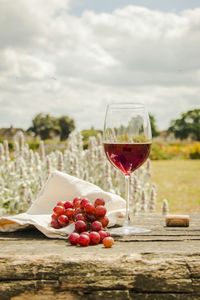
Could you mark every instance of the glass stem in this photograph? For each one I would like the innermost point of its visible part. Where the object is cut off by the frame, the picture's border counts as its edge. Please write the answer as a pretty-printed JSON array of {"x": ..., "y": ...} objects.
[{"x": 127, "y": 217}]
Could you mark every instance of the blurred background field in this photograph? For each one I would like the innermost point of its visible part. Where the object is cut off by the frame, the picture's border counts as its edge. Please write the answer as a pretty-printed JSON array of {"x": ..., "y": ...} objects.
[
  {"x": 175, "y": 150},
  {"x": 27, "y": 157},
  {"x": 178, "y": 181}
]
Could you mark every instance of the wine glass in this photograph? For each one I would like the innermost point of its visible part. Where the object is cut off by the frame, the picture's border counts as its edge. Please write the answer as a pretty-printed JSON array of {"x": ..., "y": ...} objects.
[{"x": 127, "y": 142}]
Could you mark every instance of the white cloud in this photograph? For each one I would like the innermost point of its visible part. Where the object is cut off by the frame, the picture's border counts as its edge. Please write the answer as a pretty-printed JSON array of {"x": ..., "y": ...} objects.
[{"x": 51, "y": 61}]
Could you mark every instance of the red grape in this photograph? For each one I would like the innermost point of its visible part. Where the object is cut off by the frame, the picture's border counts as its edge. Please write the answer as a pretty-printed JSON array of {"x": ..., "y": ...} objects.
[
  {"x": 59, "y": 210},
  {"x": 55, "y": 224},
  {"x": 69, "y": 212},
  {"x": 80, "y": 226},
  {"x": 76, "y": 202},
  {"x": 85, "y": 232},
  {"x": 90, "y": 209},
  {"x": 63, "y": 220},
  {"x": 60, "y": 203},
  {"x": 68, "y": 204},
  {"x": 100, "y": 211},
  {"x": 94, "y": 238},
  {"x": 78, "y": 211},
  {"x": 103, "y": 234},
  {"x": 73, "y": 238},
  {"x": 108, "y": 242},
  {"x": 84, "y": 201},
  {"x": 104, "y": 221},
  {"x": 96, "y": 226},
  {"x": 80, "y": 217},
  {"x": 83, "y": 240},
  {"x": 54, "y": 216},
  {"x": 99, "y": 201}
]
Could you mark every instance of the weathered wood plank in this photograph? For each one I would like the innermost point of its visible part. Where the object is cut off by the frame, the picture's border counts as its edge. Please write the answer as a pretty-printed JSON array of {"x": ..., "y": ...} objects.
[{"x": 153, "y": 266}]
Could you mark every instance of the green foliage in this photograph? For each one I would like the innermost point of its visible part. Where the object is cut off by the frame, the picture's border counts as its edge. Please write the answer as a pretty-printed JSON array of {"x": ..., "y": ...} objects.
[
  {"x": 125, "y": 138},
  {"x": 194, "y": 152},
  {"x": 154, "y": 128},
  {"x": 181, "y": 150},
  {"x": 158, "y": 153},
  {"x": 10, "y": 143},
  {"x": 34, "y": 145},
  {"x": 48, "y": 127},
  {"x": 88, "y": 133},
  {"x": 66, "y": 125},
  {"x": 45, "y": 126},
  {"x": 188, "y": 125},
  {"x": 195, "y": 155}
]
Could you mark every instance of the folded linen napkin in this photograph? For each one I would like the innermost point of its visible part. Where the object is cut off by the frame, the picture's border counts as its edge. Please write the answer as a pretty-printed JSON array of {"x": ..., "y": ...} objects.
[{"x": 60, "y": 186}]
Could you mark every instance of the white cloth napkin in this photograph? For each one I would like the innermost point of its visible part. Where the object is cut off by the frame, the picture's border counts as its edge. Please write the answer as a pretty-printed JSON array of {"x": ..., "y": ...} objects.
[{"x": 60, "y": 187}]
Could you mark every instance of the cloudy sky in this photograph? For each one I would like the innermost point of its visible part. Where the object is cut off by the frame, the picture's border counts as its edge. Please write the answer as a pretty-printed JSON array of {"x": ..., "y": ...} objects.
[{"x": 74, "y": 57}]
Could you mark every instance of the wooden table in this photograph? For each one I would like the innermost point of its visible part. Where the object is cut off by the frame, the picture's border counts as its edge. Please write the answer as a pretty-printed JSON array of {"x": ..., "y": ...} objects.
[{"x": 164, "y": 264}]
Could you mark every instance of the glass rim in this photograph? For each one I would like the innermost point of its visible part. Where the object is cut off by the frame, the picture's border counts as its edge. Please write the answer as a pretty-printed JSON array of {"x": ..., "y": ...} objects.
[{"x": 125, "y": 105}]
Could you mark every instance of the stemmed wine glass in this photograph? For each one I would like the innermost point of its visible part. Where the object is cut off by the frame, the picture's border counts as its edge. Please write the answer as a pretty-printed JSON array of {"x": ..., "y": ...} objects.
[{"x": 127, "y": 141}]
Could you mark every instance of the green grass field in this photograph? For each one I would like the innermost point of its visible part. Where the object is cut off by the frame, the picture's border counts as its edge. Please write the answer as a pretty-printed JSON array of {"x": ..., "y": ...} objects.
[{"x": 178, "y": 181}]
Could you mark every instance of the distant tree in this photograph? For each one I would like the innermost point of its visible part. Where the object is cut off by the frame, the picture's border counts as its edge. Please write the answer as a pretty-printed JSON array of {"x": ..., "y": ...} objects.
[
  {"x": 154, "y": 128},
  {"x": 188, "y": 125},
  {"x": 87, "y": 133},
  {"x": 66, "y": 126},
  {"x": 47, "y": 126}
]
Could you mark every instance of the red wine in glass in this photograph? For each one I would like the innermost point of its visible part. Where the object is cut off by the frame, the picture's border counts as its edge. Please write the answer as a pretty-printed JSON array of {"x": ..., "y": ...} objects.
[
  {"x": 127, "y": 157},
  {"x": 127, "y": 142}
]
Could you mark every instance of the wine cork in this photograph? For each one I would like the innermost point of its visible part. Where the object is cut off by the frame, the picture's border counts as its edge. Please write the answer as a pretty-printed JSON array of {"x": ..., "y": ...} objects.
[{"x": 177, "y": 220}]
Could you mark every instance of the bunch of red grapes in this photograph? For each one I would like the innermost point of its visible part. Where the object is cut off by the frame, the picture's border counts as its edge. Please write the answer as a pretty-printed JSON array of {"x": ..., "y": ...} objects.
[{"x": 90, "y": 221}]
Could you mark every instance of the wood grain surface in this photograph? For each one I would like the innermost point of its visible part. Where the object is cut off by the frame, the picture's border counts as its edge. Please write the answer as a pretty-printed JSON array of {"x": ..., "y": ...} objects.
[{"x": 163, "y": 264}]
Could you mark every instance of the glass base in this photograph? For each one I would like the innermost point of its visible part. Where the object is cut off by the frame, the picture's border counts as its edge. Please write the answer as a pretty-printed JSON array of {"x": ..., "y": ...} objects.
[{"x": 128, "y": 230}]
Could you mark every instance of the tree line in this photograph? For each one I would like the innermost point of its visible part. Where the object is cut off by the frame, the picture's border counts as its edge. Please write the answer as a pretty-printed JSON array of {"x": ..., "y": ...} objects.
[
  {"x": 187, "y": 126},
  {"x": 47, "y": 127}
]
